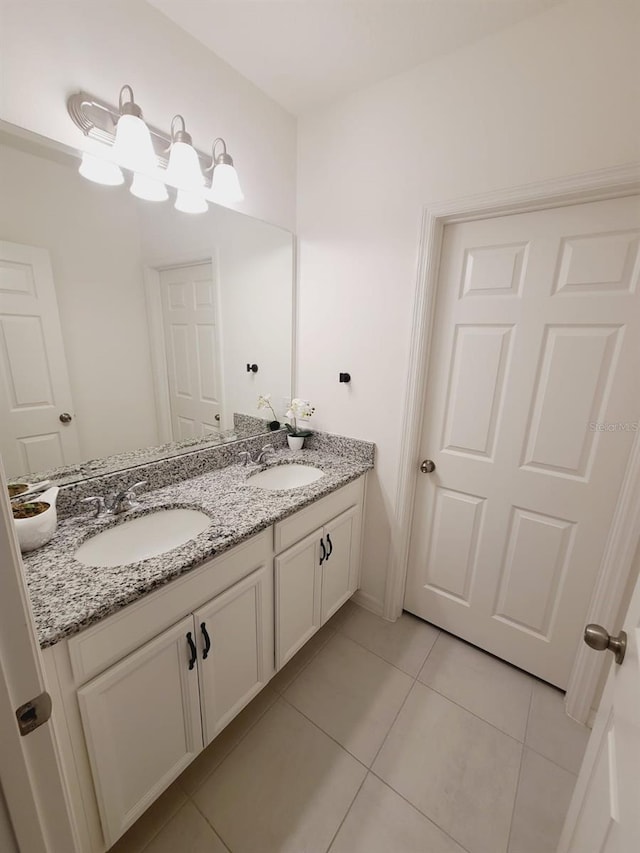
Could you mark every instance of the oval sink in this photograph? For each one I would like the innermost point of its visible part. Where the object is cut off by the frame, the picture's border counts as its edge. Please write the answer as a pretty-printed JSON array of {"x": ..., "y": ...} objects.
[
  {"x": 142, "y": 537},
  {"x": 285, "y": 477}
]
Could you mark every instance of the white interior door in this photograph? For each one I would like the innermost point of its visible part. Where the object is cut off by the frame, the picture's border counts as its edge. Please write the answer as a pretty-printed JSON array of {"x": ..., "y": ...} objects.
[
  {"x": 604, "y": 815},
  {"x": 531, "y": 409},
  {"x": 34, "y": 382},
  {"x": 188, "y": 297}
]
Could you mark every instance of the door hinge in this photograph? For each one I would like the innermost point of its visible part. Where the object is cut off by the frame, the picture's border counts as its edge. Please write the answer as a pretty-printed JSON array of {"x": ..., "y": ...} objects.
[{"x": 33, "y": 713}]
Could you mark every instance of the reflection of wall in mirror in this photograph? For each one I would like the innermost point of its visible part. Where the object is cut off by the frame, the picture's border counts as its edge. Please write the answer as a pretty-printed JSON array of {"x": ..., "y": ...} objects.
[
  {"x": 92, "y": 236},
  {"x": 255, "y": 268}
]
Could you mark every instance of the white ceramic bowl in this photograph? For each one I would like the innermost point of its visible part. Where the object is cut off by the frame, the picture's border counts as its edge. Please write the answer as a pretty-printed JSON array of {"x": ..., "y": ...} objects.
[{"x": 40, "y": 529}]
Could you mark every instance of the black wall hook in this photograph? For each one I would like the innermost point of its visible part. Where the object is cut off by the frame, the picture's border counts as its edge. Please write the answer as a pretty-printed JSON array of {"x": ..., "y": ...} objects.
[
  {"x": 345, "y": 377},
  {"x": 252, "y": 368}
]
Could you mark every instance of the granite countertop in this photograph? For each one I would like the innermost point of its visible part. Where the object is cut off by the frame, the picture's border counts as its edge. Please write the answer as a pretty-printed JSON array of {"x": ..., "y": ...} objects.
[{"x": 67, "y": 596}]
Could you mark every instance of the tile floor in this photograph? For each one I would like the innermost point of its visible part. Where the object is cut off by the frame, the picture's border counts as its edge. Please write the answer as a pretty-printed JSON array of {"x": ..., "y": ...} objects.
[{"x": 379, "y": 737}]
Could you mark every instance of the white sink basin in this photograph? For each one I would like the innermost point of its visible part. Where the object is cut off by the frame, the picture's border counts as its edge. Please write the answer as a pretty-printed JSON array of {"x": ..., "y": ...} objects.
[
  {"x": 142, "y": 537},
  {"x": 285, "y": 477}
]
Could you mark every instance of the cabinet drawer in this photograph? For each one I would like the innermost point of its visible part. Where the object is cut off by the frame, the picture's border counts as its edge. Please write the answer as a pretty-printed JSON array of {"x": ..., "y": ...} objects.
[
  {"x": 93, "y": 650},
  {"x": 307, "y": 520}
]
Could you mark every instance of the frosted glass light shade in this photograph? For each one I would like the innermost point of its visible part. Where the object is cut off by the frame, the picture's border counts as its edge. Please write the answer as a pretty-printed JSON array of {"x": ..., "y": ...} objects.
[
  {"x": 191, "y": 202},
  {"x": 149, "y": 189},
  {"x": 100, "y": 171},
  {"x": 133, "y": 148},
  {"x": 184, "y": 170},
  {"x": 225, "y": 186}
]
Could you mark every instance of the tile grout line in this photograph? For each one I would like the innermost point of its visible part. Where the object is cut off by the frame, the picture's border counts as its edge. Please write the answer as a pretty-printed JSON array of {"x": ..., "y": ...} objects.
[
  {"x": 208, "y": 822},
  {"x": 346, "y": 814},
  {"x": 515, "y": 797}
]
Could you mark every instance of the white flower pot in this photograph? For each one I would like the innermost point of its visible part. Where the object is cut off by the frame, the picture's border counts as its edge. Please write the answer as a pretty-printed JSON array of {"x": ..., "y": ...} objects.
[
  {"x": 38, "y": 530},
  {"x": 295, "y": 441}
]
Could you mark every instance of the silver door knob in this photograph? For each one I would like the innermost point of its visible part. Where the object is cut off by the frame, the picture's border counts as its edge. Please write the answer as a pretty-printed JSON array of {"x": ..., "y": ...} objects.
[
  {"x": 428, "y": 467},
  {"x": 66, "y": 418},
  {"x": 596, "y": 637}
]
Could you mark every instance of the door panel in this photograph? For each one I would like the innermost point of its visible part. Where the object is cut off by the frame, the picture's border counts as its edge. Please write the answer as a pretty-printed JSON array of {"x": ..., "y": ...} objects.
[
  {"x": 34, "y": 382},
  {"x": 192, "y": 349},
  {"x": 338, "y": 568},
  {"x": 604, "y": 815},
  {"x": 298, "y": 583},
  {"x": 142, "y": 724},
  {"x": 532, "y": 405},
  {"x": 239, "y": 625}
]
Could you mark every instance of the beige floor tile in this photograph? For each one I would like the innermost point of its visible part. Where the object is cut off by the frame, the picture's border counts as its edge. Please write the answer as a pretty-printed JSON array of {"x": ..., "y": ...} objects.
[
  {"x": 284, "y": 789},
  {"x": 294, "y": 667},
  {"x": 551, "y": 732},
  {"x": 544, "y": 793},
  {"x": 458, "y": 770},
  {"x": 217, "y": 751},
  {"x": 186, "y": 832},
  {"x": 380, "y": 821},
  {"x": 405, "y": 643},
  {"x": 484, "y": 685},
  {"x": 151, "y": 822},
  {"x": 352, "y": 694}
]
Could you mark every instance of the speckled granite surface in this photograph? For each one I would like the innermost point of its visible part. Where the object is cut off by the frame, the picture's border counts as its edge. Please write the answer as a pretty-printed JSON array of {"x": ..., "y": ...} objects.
[{"x": 67, "y": 596}]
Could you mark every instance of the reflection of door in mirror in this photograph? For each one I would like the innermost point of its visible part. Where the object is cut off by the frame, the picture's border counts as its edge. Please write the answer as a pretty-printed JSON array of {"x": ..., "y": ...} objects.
[
  {"x": 188, "y": 297},
  {"x": 38, "y": 431}
]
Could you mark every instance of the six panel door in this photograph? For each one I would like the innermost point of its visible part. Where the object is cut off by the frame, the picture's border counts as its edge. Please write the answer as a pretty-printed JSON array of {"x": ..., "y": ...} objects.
[
  {"x": 142, "y": 726},
  {"x": 188, "y": 296},
  {"x": 235, "y": 657},
  {"x": 34, "y": 381},
  {"x": 531, "y": 411}
]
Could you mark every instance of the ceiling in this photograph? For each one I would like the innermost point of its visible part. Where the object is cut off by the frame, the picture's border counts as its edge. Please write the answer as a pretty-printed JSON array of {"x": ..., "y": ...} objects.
[{"x": 304, "y": 53}]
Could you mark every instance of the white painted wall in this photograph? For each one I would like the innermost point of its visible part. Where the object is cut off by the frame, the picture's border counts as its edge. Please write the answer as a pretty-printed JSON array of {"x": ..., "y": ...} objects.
[
  {"x": 254, "y": 271},
  {"x": 7, "y": 838},
  {"x": 92, "y": 235},
  {"x": 555, "y": 95},
  {"x": 50, "y": 49}
]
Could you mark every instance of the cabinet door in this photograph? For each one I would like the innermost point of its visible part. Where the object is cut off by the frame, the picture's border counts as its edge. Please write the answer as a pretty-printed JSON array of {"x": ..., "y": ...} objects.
[
  {"x": 339, "y": 568},
  {"x": 235, "y": 637},
  {"x": 297, "y": 593},
  {"x": 142, "y": 726}
]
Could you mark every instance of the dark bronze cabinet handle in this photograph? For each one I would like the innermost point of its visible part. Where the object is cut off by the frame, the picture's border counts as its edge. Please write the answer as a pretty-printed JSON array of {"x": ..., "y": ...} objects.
[
  {"x": 330, "y": 544},
  {"x": 323, "y": 552},
  {"x": 193, "y": 650},
  {"x": 207, "y": 641}
]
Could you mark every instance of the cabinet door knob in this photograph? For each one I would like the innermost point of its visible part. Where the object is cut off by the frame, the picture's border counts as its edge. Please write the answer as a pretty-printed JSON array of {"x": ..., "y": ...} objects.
[
  {"x": 207, "y": 640},
  {"x": 330, "y": 544},
  {"x": 193, "y": 650}
]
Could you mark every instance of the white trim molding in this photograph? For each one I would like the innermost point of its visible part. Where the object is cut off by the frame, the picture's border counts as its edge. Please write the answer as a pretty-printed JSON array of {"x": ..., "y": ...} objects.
[{"x": 598, "y": 185}]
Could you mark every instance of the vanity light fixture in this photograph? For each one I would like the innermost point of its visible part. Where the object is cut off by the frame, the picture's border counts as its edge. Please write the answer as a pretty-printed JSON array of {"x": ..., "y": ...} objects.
[
  {"x": 128, "y": 142},
  {"x": 133, "y": 148},
  {"x": 96, "y": 167},
  {"x": 225, "y": 185},
  {"x": 183, "y": 171}
]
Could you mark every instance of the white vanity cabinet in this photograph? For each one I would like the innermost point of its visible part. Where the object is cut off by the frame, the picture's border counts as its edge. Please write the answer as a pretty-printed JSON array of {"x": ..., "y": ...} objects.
[
  {"x": 147, "y": 717},
  {"x": 317, "y": 574}
]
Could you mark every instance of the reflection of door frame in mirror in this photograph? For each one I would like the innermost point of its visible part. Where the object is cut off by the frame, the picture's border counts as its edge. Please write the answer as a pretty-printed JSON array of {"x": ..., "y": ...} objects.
[{"x": 158, "y": 350}]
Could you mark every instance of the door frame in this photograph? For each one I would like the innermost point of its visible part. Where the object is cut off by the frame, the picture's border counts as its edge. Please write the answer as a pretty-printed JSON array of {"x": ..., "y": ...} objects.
[
  {"x": 31, "y": 773},
  {"x": 598, "y": 185},
  {"x": 157, "y": 347}
]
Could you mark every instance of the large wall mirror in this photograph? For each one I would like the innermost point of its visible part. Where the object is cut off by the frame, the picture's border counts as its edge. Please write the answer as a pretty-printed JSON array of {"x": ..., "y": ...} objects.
[{"x": 126, "y": 324}]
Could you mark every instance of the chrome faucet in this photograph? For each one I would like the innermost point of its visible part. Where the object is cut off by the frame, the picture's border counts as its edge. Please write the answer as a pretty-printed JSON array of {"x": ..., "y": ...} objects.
[
  {"x": 245, "y": 456},
  {"x": 116, "y": 502}
]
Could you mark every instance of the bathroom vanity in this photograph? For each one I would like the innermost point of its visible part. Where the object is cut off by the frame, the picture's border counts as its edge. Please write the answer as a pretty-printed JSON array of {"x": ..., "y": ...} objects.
[{"x": 146, "y": 663}]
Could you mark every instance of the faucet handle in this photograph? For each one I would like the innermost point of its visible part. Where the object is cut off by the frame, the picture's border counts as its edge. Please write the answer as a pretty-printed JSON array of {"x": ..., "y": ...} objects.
[
  {"x": 98, "y": 503},
  {"x": 131, "y": 491},
  {"x": 268, "y": 447},
  {"x": 245, "y": 457}
]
